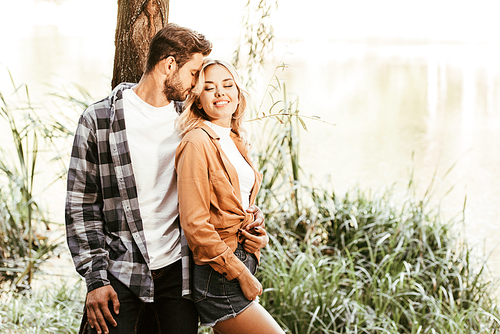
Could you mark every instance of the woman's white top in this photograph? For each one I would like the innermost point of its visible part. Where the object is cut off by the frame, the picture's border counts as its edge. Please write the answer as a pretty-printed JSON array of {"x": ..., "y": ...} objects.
[
  {"x": 246, "y": 174},
  {"x": 153, "y": 139}
]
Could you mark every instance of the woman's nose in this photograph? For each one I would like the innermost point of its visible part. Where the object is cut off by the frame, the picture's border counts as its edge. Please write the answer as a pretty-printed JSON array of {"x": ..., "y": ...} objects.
[{"x": 219, "y": 93}]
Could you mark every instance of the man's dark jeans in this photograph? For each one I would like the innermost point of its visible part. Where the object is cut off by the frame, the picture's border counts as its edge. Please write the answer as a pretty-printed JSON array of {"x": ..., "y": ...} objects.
[{"x": 170, "y": 313}]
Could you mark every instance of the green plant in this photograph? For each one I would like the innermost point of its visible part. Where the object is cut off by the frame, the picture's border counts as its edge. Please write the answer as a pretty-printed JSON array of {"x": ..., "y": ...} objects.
[
  {"x": 373, "y": 264},
  {"x": 256, "y": 41},
  {"x": 50, "y": 308},
  {"x": 24, "y": 229}
]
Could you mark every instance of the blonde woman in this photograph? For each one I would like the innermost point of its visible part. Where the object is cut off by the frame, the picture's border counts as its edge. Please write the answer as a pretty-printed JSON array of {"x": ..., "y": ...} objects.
[{"x": 217, "y": 183}]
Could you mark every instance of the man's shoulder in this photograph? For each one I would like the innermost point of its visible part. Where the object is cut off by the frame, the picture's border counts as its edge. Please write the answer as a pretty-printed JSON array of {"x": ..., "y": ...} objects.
[
  {"x": 102, "y": 109},
  {"x": 97, "y": 112},
  {"x": 97, "y": 106}
]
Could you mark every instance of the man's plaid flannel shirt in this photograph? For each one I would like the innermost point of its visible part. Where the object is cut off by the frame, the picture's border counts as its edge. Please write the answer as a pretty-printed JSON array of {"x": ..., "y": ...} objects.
[{"x": 103, "y": 223}]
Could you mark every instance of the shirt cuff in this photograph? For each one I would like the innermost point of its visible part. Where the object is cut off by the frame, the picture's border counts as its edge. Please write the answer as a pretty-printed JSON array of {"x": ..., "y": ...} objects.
[
  {"x": 96, "y": 279},
  {"x": 233, "y": 268}
]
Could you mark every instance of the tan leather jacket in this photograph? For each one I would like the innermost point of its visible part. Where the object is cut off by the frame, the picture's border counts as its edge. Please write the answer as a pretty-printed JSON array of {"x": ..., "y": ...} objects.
[{"x": 210, "y": 206}]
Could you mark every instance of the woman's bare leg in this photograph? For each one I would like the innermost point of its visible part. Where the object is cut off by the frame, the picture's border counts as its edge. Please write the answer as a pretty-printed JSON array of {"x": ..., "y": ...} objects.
[{"x": 254, "y": 320}]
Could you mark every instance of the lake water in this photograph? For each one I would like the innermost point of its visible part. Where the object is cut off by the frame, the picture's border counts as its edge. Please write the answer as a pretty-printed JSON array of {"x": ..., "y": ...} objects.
[
  {"x": 439, "y": 103},
  {"x": 391, "y": 100}
]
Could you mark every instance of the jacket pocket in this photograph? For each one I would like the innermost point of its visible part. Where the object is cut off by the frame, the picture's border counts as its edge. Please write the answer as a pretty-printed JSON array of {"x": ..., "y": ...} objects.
[{"x": 225, "y": 196}]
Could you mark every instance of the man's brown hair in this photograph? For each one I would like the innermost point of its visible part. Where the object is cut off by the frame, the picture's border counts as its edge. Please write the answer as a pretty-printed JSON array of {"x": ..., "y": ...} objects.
[{"x": 176, "y": 41}]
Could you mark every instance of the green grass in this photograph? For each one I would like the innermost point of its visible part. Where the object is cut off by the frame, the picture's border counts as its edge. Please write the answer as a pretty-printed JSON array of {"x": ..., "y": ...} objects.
[
  {"x": 360, "y": 263},
  {"x": 363, "y": 262},
  {"x": 50, "y": 308}
]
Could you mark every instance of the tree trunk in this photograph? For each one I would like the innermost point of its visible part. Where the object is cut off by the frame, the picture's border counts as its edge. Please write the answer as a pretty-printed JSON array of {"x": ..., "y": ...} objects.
[{"x": 138, "y": 21}]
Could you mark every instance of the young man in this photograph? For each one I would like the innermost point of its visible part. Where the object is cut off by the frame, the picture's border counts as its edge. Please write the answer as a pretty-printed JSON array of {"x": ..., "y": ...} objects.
[{"x": 121, "y": 209}]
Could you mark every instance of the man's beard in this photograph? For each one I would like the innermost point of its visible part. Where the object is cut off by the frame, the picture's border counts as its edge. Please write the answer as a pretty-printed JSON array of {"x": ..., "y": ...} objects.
[{"x": 173, "y": 89}]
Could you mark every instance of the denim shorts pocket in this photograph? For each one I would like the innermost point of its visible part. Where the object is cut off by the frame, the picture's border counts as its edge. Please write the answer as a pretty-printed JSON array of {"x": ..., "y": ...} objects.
[
  {"x": 251, "y": 263},
  {"x": 201, "y": 280},
  {"x": 249, "y": 260},
  {"x": 241, "y": 253},
  {"x": 231, "y": 288}
]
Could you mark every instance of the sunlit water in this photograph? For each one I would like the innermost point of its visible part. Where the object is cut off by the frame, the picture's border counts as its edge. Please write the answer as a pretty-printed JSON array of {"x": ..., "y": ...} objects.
[{"x": 438, "y": 102}]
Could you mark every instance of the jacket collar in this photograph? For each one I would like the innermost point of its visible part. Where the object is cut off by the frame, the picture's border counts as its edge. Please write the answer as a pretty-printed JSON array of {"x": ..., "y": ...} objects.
[
  {"x": 117, "y": 93},
  {"x": 229, "y": 168},
  {"x": 214, "y": 134},
  {"x": 209, "y": 131}
]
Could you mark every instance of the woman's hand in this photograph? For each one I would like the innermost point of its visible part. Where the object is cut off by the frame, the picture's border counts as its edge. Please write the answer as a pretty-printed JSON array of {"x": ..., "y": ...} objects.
[
  {"x": 256, "y": 240},
  {"x": 258, "y": 217},
  {"x": 250, "y": 286}
]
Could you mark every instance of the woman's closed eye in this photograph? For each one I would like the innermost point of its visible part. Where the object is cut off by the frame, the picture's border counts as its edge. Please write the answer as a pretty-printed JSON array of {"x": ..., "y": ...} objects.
[{"x": 208, "y": 89}]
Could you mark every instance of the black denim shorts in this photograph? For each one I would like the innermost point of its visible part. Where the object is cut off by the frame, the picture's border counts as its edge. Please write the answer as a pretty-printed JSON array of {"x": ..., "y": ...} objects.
[{"x": 216, "y": 298}]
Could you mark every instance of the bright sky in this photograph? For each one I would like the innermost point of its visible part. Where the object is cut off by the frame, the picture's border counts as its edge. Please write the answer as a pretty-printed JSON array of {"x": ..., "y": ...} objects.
[
  {"x": 28, "y": 26},
  {"x": 464, "y": 20}
]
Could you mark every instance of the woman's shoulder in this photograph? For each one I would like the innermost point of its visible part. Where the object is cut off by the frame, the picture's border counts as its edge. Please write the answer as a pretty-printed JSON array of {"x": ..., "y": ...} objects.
[
  {"x": 202, "y": 137},
  {"x": 197, "y": 135}
]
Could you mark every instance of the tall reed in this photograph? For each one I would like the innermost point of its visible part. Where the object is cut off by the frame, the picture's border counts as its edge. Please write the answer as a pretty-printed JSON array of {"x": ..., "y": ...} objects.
[
  {"x": 24, "y": 227},
  {"x": 373, "y": 264}
]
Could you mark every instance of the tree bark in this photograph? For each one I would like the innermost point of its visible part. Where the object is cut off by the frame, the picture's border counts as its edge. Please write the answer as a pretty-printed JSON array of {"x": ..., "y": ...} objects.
[{"x": 137, "y": 23}]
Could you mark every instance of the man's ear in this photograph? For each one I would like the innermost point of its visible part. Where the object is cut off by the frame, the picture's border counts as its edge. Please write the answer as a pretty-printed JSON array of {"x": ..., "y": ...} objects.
[{"x": 169, "y": 65}]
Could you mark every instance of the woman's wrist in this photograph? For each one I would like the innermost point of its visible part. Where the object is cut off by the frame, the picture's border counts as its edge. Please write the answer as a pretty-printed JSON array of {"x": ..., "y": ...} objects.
[{"x": 244, "y": 274}]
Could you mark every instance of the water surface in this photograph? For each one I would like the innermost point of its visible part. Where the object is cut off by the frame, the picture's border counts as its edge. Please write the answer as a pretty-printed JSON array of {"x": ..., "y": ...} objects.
[{"x": 391, "y": 99}]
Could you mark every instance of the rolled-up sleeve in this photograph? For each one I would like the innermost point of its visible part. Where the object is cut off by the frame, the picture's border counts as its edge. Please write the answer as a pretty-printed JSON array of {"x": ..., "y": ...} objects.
[{"x": 194, "y": 191}]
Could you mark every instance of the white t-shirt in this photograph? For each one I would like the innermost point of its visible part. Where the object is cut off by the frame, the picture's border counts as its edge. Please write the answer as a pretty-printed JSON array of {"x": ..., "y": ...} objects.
[
  {"x": 246, "y": 174},
  {"x": 153, "y": 139}
]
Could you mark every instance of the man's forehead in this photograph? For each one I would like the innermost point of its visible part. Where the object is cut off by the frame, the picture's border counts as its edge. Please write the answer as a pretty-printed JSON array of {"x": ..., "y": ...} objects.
[{"x": 196, "y": 62}]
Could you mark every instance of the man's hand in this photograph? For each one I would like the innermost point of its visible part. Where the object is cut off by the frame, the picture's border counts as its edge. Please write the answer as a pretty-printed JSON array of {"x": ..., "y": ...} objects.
[
  {"x": 98, "y": 310},
  {"x": 256, "y": 240},
  {"x": 258, "y": 218}
]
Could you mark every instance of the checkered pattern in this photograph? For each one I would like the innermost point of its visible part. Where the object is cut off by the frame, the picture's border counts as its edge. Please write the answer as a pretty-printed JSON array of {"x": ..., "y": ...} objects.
[{"x": 103, "y": 222}]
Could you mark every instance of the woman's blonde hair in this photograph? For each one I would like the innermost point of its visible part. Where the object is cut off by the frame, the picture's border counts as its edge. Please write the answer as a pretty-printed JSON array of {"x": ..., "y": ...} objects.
[{"x": 192, "y": 116}]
